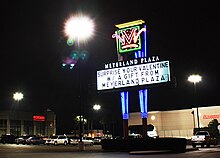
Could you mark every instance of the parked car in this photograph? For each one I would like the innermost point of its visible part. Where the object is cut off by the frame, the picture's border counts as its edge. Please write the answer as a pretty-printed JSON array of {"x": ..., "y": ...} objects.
[
  {"x": 57, "y": 139},
  {"x": 7, "y": 138},
  {"x": 35, "y": 141},
  {"x": 44, "y": 138},
  {"x": 135, "y": 136},
  {"x": 21, "y": 139},
  {"x": 87, "y": 141},
  {"x": 203, "y": 138},
  {"x": 152, "y": 134},
  {"x": 97, "y": 140},
  {"x": 73, "y": 140}
]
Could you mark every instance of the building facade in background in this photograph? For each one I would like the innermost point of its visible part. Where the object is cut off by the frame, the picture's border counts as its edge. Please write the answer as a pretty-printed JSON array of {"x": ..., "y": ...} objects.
[
  {"x": 177, "y": 123},
  {"x": 27, "y": 123}
]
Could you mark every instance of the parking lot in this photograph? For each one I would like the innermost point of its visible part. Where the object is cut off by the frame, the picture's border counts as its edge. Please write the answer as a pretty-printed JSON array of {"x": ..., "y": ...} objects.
[{"x": 95, "y": 151}]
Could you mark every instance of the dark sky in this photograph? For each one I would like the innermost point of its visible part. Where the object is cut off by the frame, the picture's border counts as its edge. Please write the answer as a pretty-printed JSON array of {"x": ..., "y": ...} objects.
[{"x": 33, "y": 45}]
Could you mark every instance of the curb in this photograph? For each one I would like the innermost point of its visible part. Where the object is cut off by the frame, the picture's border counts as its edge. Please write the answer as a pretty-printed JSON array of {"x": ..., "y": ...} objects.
[{"x": 152, "y": 152}]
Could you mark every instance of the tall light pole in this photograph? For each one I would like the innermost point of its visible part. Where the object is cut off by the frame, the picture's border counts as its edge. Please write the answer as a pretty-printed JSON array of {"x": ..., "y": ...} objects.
[
  {"x": 79, "y": 28},
  {"x": 96, "y": 108},
  {"x": 18, "y": 96},
  {"x": 195, "y": 79}
]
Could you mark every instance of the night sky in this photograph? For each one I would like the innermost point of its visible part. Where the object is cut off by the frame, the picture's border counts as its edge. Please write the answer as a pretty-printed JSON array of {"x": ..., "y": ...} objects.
[{"x": 33, "y": 45}]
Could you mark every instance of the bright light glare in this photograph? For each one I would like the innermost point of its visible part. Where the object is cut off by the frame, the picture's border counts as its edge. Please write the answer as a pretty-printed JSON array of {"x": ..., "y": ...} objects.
[
  {"x": 153, "y": 117},
  {"x": 79, "y": 28},
  {"x": 18, "y": 96},
  {"x": 194, "y": 78},
  {"x": 96, "y": 107}
]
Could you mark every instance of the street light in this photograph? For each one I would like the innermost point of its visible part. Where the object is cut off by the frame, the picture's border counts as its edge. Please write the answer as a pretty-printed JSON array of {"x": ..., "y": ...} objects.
[
  {"x": 195, "y": 79},
  {"x": 17, "y": 96},
  {"x": 96, "y": 107},
  {"x": 79, "y": 28}
]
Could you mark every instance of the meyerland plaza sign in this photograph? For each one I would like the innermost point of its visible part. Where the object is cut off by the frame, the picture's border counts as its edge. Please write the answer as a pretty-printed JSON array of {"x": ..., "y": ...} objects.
[{"x": 143, "y": 71}]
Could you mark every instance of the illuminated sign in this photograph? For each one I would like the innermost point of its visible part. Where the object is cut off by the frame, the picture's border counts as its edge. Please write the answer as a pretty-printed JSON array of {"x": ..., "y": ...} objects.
[
  {"x": 39, "y": 118},
  {"x": 128, "y": 37},
  {"x": 211, "y": 116},
  {"x": 139, "y": 72}
]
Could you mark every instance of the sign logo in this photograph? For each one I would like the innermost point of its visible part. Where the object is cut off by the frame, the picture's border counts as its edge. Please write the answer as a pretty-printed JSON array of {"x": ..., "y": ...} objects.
[
  {"x": 211, "y": 116},
  {"x": 128, "y": 39},
  {"x": 39, "y": 118}
]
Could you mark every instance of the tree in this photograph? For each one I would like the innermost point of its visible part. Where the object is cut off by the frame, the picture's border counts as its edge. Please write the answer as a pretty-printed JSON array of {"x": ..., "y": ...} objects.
[
  {"x": 213, "y": 126},
  {"x": 77, "y": 120}
]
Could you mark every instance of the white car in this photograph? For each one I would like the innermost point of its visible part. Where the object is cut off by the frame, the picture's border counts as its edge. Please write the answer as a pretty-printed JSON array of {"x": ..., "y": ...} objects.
[
  {"x": 203, "y": 138},
  {"x": 86, "y": 141},
  {"x": 152, "y": 134},
  {"x": 57, "y": 139}
]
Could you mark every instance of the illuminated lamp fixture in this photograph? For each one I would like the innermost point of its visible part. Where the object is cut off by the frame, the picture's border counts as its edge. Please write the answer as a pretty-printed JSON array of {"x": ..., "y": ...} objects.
[
  {"x": 18, "y": 96},
  {"x": 96, "y": 107},
  {"x": 79, "y": 27},
  {"x": 194, "y": 78},
  {"x": 153, "y": 117}
]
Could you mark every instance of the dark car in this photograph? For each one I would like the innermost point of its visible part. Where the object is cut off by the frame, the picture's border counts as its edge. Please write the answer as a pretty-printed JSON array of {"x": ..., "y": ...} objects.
[
  {"x": 35, "y": 141},
  {"x": 21, "y": 139},
  {"x": 7, "y": 138}
]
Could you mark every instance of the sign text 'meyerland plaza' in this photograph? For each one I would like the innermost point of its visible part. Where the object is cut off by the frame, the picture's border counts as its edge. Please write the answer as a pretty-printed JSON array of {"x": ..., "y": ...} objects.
[{"x": 143, "y": 71}]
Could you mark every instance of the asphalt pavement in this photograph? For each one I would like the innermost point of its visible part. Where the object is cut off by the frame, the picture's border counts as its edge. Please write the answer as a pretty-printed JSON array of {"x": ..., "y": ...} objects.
[{"x": 44, "y": 151}]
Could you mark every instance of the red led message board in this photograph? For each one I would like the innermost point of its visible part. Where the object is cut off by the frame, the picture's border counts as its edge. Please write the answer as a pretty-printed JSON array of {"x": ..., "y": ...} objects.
[{"x": 39, "y": 118}]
